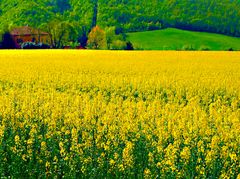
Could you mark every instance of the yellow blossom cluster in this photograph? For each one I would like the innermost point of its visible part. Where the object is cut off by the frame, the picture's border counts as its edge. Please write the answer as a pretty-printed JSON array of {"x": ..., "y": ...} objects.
[{"x": 109, "y": 114}]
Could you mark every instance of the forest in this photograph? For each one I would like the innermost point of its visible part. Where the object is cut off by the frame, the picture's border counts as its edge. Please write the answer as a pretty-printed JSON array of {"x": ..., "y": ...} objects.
[{"x": 74, "y": 19}]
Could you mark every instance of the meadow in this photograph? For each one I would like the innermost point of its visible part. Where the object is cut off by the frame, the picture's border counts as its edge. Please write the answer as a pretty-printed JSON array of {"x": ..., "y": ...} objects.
[
  {"x": 110, "y": 114},
  {"x": 176, "y": 39}
]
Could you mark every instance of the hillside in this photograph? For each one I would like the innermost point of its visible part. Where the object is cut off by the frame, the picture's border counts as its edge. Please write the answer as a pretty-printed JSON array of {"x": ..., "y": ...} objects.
[
  {"x": 175, "y": 39},
  {"x": 219, "y": 16}
]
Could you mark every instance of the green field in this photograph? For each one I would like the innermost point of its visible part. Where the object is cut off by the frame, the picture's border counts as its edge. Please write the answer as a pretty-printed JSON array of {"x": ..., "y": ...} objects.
[{"x": 175, "y": 39}]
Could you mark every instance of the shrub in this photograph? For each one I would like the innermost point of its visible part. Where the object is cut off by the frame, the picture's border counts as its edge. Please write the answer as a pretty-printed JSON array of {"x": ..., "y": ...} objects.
[
  {"x": 230, "y": 49},
  {"x": 204, "y": 48},
  {"x": 8, "y": 42},
  {"x": 110, "y": 36},
  {"x": 129, "y": 46},
  {"x": 188, "y": 48},
  {"x": 118, "y": 45},
  {"x": 136, "y": 47},
  {"x": 73, "y": 45}
]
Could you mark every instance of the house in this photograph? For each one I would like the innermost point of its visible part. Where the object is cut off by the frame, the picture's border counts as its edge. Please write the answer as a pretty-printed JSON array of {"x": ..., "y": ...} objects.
[{"x": 28, "y": 34}]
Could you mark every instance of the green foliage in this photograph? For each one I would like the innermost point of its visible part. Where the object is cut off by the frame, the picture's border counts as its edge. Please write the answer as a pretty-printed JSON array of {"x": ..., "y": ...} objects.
[
  {"x": 7, "y": 41},
  {"x": 115, "y": 41},
  {"x": 118, "y": 45},
  {"x": 188, "y": 48},
  {"x": 204, "y": 48},
  {"x": 129, "y": 46},
  {"x": 110, "y": 36},
  {"x": 73, "y": 45},
  {"x": 175, "y": 39},
  {"x": 60, "y": 32},
  {"x": 1, "y": 38},
  {"x": 220, "y": 16}
]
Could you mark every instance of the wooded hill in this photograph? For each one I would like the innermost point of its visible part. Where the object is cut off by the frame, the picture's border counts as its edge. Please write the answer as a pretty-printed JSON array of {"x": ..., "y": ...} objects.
[{"x": 219, "y": 16}]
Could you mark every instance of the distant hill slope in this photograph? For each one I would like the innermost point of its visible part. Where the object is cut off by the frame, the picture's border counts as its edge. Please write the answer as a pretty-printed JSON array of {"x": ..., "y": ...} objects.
[
  {"x": 175, "y": 39},
  {"x": 219, "y": 16}
]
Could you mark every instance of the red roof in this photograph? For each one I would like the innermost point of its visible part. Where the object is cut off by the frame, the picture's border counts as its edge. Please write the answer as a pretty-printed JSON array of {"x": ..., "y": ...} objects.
[{"x": 26, "y": 30}]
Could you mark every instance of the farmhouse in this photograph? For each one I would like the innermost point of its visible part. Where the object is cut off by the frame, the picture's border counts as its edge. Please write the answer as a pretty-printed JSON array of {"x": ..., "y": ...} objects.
[{"x": 28, "y": 34}]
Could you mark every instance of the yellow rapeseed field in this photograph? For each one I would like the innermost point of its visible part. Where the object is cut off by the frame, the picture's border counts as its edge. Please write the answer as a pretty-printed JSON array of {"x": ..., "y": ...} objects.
[{"x": 106, "y": 114}]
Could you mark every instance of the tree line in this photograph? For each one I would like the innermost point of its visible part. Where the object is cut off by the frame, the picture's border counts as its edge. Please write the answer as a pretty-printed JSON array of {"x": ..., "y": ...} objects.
[{"x": 73, "y": 20}]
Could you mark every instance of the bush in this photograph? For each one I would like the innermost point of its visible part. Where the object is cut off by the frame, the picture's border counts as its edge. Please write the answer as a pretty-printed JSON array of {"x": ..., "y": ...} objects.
[
  {"x": 118, "y": 45},
  {"x": 136, "y": 47},
  {"x": 129, "y": 46},
  {"x": 83, "y": 38},
  {"x": 8, "y": 42},
  {"x": 204, "y": 48},
  {"x": 73, "y": 45},
  {"x": 188, "y": 48},
  {"x": 154, "y": 26}
]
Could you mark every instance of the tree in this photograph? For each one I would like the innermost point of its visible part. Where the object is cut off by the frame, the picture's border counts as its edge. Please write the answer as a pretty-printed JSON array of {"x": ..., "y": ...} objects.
[
  {"x": 116, "y": 41},
  {"x": 82, "y": 37},
  {"x": 110, "y": 36},
  {"x": 7, "y": 41},
  {"x": 95, "y": 13},
  {"x": 219, "y": 16},
  {"x": 118, "y": 45},
  {"x": 129, "y": 46},
  {"x": 60, "y": 32},
  {"x": 97, "y": 38}
]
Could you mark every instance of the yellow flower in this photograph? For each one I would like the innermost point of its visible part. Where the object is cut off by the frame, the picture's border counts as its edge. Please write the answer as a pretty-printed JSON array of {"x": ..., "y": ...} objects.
[
  {"x": 24, "y": 157},
  {"x": 43, "y": 145},
  {"x": 96, "y": 109},
  {"x": 127, "y": 155},
  {"x": 121, "y": 167},
  {"x": 47, "y": 165},
  {"x": 150, "y": 157},
  {"x": 233, "y": 157},
  {"x": 112, "y": 162},
  {"x": 55, "y": 159},
  {"x": 2, "y": 127},
  {"x": 30, "y": 141},
  {"x": 238, "y": 176},
  {"x": 17, "y": 140},
  {"x": 185, "y": 154},
  {"x": 147, "y": 173},
  {"x": 159, "y": 164}
]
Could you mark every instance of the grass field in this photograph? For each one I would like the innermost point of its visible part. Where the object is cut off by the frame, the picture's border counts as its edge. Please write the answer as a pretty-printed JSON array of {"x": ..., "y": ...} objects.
[
  {"x": 175, "y": 39},
  {"x": 104, "y": 114}
]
